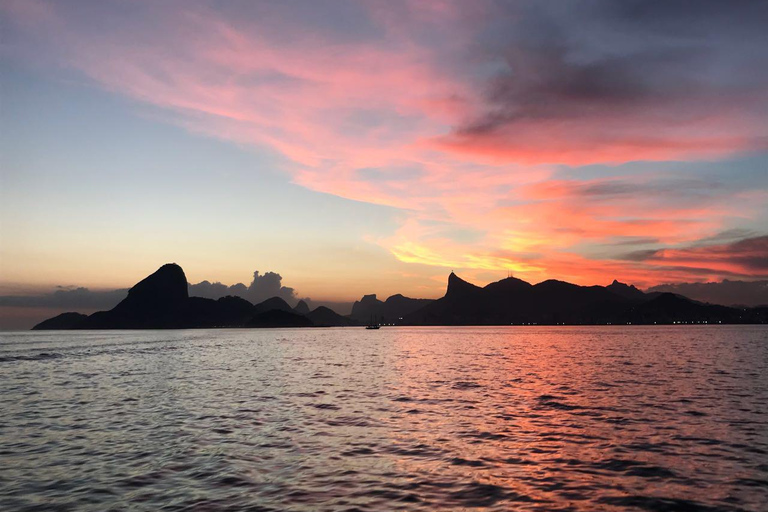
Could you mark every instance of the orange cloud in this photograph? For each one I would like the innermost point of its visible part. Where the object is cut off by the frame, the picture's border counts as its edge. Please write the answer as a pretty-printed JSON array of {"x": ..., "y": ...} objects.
[{"x": 464, "y": 139}]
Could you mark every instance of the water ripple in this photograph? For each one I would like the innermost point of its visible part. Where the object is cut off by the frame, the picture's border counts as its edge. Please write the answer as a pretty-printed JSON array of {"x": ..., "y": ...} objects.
[{"x": 423, "y": 419}]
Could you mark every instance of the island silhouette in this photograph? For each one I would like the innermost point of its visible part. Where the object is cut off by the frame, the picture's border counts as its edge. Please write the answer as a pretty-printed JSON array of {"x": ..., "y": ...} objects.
[{"x": 162, "y": 301}]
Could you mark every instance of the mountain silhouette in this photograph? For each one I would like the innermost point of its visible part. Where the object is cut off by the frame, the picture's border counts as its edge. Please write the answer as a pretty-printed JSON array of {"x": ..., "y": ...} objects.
[
  {"x": 326, "y": 317},
  {"x": 390, "y": 311},
  {"x": 273, "y": 303},
  {"x": 301, "y": 308},
  {"x": 551, "y": 302},
  {"x": 162, "y": 301},
  {"x": 668, "y": 308},
  {"x": 366, "y": 307},
  {"x": 156, "y": 302},
  {"x": 227, "y": 311},
  {"x": 625, "y": 290},
  {"x": 457, "y": 287},
  {"x": 61, "y": 322},
  {"x": 278, "y": 318}
]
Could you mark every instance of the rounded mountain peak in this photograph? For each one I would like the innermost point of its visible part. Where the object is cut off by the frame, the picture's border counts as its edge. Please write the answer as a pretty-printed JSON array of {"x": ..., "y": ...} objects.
[
  {"x": 165, "y": 288},
  {"x": 301, "y": 308}
]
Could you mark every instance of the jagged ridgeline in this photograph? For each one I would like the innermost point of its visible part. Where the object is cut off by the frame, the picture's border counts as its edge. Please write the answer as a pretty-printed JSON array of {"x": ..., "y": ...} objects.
[{"x": 162, "y": 301}]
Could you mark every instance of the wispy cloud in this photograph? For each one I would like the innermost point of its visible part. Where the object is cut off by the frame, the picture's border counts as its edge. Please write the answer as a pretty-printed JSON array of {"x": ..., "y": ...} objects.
[
  {"x": 747, "y": 257},
  {"x": 461, "y": 114}
]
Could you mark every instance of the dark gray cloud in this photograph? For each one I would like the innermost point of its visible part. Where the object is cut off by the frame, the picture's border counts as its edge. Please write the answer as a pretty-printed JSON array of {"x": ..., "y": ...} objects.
[
  {"x": 681, "y": 189},
  {"x": 621, "y": 68},
  {"x": 640, "y": 255},
  {"x": 751, "y": 253},
  {"x": 746, "y": 293},
  {"x": 690, "y": 17},
  {"x": 262, "y": 287},
  {"x": 69, "y": 298},
  {"x": 747, "y": 257},
  {"x": 623, "y": 241},
  {"x": 729, "y": 235}
]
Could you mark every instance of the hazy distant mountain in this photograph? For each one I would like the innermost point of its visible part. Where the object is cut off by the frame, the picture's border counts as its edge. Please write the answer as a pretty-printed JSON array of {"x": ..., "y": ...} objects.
[
  {"x": 161, "y": 301},
  {"x": 665, "y": 308},
  {"x": 273, "y": 303},
  {"x": 390, "y": 311},
  {"x": 301, "y": 308},
  {"x": 366, "y": 307},
  {"x": 326, "y": 317},
  {"x": 726, "y": 292},
  {"x": 625, "y": 290}
]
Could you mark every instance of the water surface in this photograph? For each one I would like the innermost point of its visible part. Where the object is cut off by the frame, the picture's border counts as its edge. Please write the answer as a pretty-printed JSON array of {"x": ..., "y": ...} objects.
[{"x": 517, "y": 418}]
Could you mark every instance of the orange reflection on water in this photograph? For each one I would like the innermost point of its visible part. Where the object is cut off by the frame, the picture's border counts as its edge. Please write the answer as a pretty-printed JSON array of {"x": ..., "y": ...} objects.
[{"x": 552, "y": 417}]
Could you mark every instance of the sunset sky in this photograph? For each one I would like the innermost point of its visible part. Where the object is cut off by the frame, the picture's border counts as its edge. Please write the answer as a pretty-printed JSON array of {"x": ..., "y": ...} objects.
[{"x": 374, "y": 146}]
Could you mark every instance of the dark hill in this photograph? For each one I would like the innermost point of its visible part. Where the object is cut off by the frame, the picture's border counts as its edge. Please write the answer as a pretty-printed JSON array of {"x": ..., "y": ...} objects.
[
  {"x": 669, "y": 308},
  {"x": 273, "y": 303},
  {"x": 508, "y": 285},
  {"x": 326, "y": 317},
  {"x": 225, "y": 312},
  {"x": 63, "y": 321},
  {"x": 365, "y": 308},
  {"x": 390, "y": 311},
  {"x": 155, "y": 302},
  {"x": 397, "y": 306},
  {"x": 279, "y": 318},
  {"x": 561, "y": 302},
  {"x": 301, "y": 308}
]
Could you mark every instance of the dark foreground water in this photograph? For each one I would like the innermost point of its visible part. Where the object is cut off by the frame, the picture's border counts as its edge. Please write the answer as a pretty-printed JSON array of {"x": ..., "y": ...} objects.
[{"x": 593, "y": 418}]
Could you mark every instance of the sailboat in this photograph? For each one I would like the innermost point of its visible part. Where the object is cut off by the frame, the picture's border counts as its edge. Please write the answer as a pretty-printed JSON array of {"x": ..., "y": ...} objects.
[{"x": 372, "y": 324}]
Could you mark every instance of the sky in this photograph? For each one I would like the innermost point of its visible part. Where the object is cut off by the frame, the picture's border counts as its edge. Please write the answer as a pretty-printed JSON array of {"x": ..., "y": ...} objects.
[{"x": 354, "y": 147}]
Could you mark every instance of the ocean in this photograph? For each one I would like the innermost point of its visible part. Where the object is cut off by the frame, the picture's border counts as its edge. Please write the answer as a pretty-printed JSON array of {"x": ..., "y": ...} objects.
[{"x": 404, "y": 418}]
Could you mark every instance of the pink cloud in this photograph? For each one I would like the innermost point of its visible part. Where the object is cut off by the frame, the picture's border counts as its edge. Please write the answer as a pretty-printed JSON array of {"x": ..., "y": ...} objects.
[
  {"x": 747, "y": 257},
  {"x": 456, "y": 137}
]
